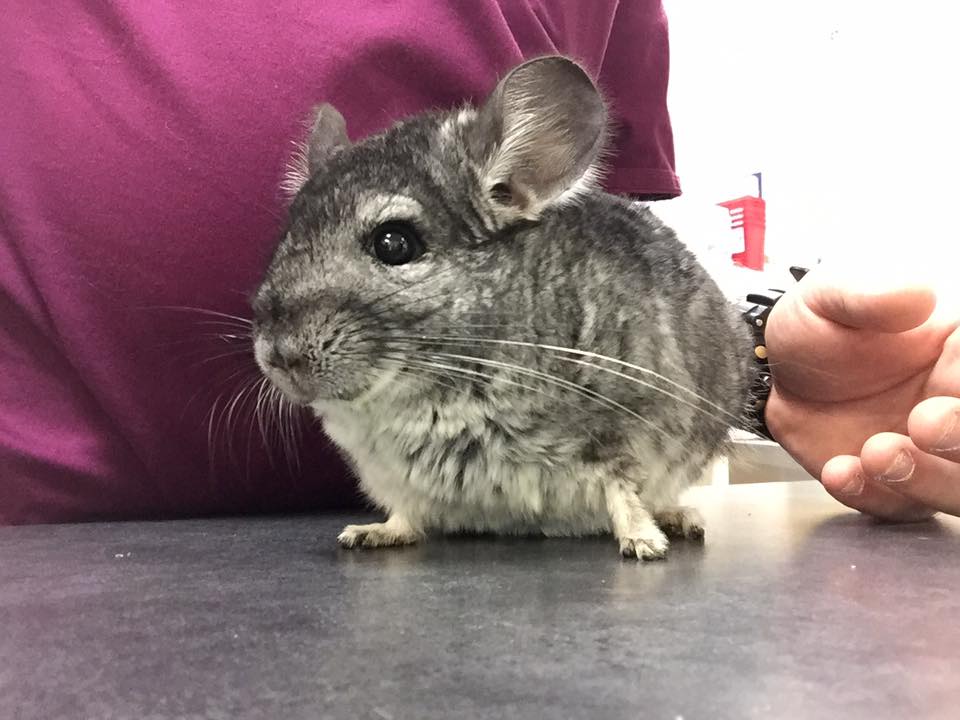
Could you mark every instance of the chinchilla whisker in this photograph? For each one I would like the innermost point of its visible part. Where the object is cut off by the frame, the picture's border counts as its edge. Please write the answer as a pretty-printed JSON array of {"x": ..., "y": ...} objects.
[
  {"x": 734, "y": 420},
  {"x": 248, "y": 401},
  {"x": 431, "y": 367},
  {"x": 289, "y": 418},
  {"x": 216, "y": 385},
  {"x": 206, "y": 311},
  {"x": 235, "y": 352},
  {"x": 228, "y": 352},
  {"x": 218, "y": 322},
  {"x": 198, "y": 347},
  {"x": 392, "y": 293},
  {"x": 213, "y": 435},
  {"x": 264, "y": 418},
  {"x": 466, "y": 341},
  {"x": 407, "y": 385},
  {"x": 211, "y": 445},
  {"x": 233, "y": 335},
  {"x": 275, "y": 422},
  {"x": 660, "y": 390},
  {"x": 190, "y": 342},
  {"x": 238, "y": 401},
  {"x": 279, "y": 430},
  {"x": 532, "y": 328},
  {"x": 450, "y": 372},
  {"x": 296, "y": 426},
  {"x": 262, "y": 391},
  {"x": 245, "y": 369},
  {"x": 250, "y": 423},
  {"x": 283, "y": 428},
  {"x": 226, "y": 337},
  {"x": 402, "y": 361},
  {"x": 556, "y": 380},
  {"x": 435, "y": 376},
  {"x": 561, "y": 382},
  {"x": 215, "y": 421},
  {"x": 273, "y": 417},
  {"x": 400, "y": 306}
]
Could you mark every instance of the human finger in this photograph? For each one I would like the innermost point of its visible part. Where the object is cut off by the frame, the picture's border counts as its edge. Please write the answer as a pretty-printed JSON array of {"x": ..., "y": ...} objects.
[
  {"x": 844, "y": 478},
  {"x": 892, "y": 460}
]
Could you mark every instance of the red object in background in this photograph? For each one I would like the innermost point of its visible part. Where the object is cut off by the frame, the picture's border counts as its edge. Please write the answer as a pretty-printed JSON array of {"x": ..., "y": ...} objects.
[{"x": 749, "y": 213}]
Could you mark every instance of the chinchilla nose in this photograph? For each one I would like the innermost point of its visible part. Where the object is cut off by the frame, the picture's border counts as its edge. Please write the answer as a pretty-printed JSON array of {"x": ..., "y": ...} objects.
[{"x": 283, "y": 356}]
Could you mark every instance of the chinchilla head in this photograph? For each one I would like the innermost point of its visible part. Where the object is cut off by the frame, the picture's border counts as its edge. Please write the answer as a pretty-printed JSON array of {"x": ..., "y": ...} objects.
[{"x": 410, "y": 232}]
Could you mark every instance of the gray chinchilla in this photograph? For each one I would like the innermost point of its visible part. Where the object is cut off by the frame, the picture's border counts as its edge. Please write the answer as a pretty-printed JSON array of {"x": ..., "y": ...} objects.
[{"x": 496, "y": 344}]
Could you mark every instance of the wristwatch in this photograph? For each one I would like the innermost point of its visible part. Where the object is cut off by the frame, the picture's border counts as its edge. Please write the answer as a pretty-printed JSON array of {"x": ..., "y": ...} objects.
[{"x": 756, "y": 310}]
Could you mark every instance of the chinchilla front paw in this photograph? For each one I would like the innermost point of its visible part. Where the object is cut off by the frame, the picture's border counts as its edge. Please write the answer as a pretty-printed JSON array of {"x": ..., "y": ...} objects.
[{"x": 395, "y": 531}]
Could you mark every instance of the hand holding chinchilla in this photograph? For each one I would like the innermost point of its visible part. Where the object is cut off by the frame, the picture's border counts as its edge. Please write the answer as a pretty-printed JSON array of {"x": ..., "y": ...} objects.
[{"x": 496, "y": 344}]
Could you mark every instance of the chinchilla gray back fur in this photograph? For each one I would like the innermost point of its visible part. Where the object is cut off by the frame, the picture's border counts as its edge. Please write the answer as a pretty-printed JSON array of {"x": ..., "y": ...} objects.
[{"x": 544, "y": 357}]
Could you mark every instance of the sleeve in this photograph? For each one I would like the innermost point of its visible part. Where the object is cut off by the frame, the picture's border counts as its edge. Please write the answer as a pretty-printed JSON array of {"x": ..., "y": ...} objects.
[{"x": 634, "y": 76}]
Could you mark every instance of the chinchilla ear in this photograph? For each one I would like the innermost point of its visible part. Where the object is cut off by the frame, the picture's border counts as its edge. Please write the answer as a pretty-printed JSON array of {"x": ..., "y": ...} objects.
[
  {"x": 328, "y": 135},
  {"x": 539, "y": 135}
]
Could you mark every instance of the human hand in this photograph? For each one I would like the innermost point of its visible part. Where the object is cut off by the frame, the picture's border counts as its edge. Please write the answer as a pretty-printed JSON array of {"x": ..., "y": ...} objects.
[{"x": 866, "y": 392}]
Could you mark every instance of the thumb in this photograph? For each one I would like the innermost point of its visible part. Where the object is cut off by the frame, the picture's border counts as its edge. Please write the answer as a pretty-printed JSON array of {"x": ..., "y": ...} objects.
[
  {"x": 835, "y": 337},
  {"x": 877, "y": 301}
]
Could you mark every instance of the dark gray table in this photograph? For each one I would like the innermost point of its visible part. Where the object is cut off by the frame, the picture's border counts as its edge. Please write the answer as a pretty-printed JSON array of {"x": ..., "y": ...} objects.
[{"x": 795, "y": 608}]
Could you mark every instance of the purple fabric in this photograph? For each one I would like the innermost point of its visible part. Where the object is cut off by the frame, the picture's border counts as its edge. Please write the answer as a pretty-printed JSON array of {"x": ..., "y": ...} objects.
[{"x": 141, "y": 148}]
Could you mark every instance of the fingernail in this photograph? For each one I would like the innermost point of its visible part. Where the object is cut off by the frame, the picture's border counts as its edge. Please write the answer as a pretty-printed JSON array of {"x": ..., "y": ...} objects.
[
  {"x": 950, "y": 440},
  {"x": 900, "y": 469},
  {"x": 854, "y": 487}
]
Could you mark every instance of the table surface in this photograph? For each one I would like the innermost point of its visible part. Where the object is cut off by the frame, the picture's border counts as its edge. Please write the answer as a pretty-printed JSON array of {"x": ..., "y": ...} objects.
[{"x": 794, "y": 608}]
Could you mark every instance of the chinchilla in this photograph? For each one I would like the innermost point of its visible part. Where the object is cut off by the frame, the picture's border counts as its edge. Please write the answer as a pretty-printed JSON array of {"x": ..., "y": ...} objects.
[{"x": 494, "y": 343}]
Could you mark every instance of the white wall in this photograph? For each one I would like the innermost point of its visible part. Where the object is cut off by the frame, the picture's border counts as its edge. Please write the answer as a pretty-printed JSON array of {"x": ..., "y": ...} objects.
[{"x": 851, "y": 110}]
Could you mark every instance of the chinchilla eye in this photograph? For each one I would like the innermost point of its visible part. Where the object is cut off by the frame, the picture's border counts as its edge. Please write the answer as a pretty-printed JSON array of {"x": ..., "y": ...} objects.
[{"x": 396, "y": 243}]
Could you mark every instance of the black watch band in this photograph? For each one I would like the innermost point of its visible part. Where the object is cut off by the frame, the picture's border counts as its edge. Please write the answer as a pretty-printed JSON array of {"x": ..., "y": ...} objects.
[{"x": 756, "y": 310}]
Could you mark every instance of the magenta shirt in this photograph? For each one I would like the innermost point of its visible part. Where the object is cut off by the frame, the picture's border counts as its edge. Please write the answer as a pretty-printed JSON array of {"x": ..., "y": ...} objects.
[{"x": 141, "y": 150}]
